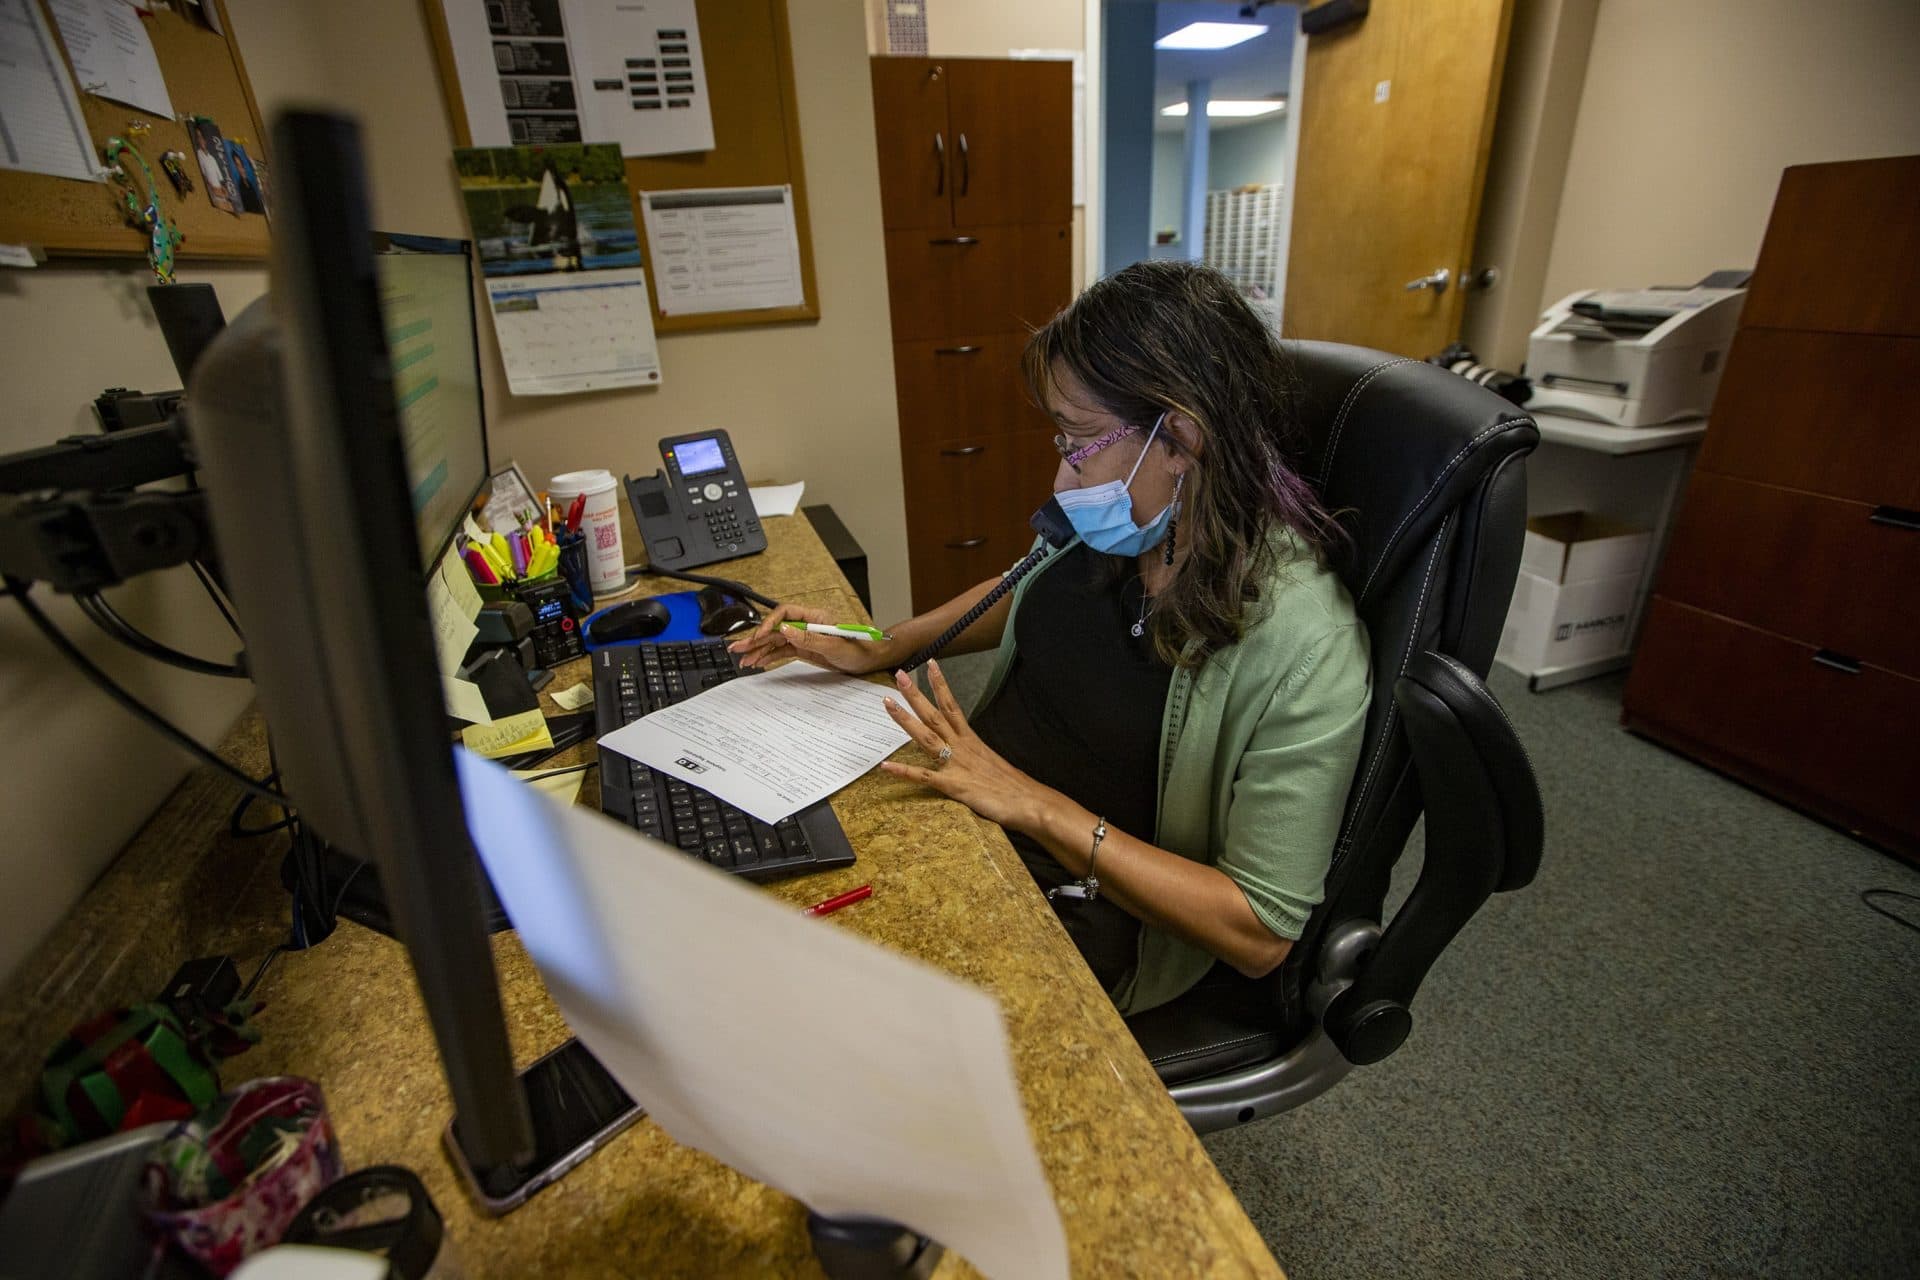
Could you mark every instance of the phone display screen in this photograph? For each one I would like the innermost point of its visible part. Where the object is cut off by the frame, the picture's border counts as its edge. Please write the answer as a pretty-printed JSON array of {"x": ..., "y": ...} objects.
[
  {"x": 698, "y": 457},
  {"x": 572, "y": 1101}
]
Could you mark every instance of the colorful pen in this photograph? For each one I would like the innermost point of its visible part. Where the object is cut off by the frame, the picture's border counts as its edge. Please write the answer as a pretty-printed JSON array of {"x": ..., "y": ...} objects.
[
  {"x": 848, "y": 630},
  {"x": 846, "y": 899}
]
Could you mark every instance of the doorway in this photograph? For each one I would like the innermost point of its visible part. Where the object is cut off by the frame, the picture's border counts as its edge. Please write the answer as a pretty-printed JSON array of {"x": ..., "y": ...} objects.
[{"x": 1211, "y": 184}]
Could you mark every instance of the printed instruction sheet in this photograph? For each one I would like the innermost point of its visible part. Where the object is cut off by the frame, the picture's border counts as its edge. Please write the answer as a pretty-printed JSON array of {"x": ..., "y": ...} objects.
[
  {"x": 41, "y": 127},
  {"x": 771, "y": 744},
  {"x": 894, "y": 1095},
  {"x": 723, "y": 248},
  {"x": 112, "y": 55},
  {"x": 543, "y": 72}
]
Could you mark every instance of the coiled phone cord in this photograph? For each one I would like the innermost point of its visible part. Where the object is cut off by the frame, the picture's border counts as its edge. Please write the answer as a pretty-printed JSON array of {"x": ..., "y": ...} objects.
[{"x": 1055, "y": 531}]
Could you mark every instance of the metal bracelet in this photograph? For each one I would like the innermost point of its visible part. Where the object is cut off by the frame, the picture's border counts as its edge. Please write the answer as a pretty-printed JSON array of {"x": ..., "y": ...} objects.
[{"x": 1087, "y": 887}]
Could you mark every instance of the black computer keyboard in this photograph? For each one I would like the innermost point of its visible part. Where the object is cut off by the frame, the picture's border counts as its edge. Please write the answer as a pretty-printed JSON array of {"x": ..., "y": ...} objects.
[{"x": 631, "y": 680}]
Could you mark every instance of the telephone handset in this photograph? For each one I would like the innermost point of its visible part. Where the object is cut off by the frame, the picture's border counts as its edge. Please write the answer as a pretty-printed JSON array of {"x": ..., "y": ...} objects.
[{"x": 695, "y": 510}]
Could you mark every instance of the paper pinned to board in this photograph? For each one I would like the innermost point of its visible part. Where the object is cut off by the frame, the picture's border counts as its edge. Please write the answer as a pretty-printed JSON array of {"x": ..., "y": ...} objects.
[
  {"x": 42, "y": 129},
  {"x": 566, "y": 71},
  {"x": 776, "y": 499},
  {"x": 895, "y": 1096},
  {"x": 723, "y": 249},
  {"x": 772, "y": 744},
  {"x": 111, "y": 53}
]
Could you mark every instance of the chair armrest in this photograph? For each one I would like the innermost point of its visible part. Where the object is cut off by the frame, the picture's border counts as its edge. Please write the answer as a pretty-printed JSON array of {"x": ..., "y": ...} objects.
[{"x": 1484, "y": 833}]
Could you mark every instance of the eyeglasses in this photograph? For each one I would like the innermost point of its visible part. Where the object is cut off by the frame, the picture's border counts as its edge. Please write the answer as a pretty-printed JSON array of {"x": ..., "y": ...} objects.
[{"x": 1074, "y": 457}]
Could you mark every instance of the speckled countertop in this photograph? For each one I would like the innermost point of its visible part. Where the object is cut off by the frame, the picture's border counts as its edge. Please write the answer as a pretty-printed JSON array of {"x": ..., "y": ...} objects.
[{"x": 1135, "y": 1189}]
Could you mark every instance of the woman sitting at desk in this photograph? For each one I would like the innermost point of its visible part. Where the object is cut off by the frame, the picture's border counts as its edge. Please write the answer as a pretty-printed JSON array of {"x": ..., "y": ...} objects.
[{"x": 1177, "y": 704}]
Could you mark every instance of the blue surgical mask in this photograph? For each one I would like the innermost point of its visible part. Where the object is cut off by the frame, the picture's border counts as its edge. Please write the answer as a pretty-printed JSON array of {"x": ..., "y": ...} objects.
[{"x": 1103, "y": 515}]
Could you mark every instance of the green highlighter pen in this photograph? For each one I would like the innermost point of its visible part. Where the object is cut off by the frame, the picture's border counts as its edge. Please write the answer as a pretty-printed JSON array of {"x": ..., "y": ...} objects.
[{"x": 846, "y": 630}]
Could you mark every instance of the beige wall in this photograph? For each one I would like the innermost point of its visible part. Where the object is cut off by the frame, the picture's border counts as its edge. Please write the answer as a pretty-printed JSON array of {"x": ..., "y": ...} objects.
[
  {"x": 1690, "y": 111},
  {"x": 812, "y": 402},
  {"x": 988, "y": 28}
]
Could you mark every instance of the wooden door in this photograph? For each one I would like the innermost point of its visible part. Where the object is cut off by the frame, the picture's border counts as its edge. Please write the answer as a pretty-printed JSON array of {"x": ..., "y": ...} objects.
[
  {"x": 1395, "y": 123},
  {"x": 914, "y": 142},
  {"x": 1012, "y": 121}
]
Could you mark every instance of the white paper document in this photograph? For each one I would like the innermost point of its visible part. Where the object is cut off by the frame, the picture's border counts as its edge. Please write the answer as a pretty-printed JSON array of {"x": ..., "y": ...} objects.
[
  {"x": 641, "y": 75},
  {"x": 41, "y": 127},
  {"x": 776, "y": 499},
  {"x": 112, "y": 54},
  {"x": 895, "y": 1095},
  {"x": 575, "y": 331},
  {"x": 548, "y": 72},
  {"x": 723, "y": 249},
  {"x": 771, "y": 744}
]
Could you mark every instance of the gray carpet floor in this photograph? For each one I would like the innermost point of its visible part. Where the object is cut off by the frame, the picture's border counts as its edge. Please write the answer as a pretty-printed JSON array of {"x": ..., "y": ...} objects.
[{"x": 1688, "y": 1049}]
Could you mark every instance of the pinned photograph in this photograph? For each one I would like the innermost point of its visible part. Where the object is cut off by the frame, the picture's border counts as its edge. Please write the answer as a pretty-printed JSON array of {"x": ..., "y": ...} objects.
[
  {"x": 210, "y": 151},
  {"x": 536, "y": 210}
]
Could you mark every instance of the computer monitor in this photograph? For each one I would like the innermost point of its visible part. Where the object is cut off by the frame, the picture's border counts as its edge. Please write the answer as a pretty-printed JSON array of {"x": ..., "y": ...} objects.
[
  {"x": 426, "y": 304},
  {"x": 306, "y": 465}
]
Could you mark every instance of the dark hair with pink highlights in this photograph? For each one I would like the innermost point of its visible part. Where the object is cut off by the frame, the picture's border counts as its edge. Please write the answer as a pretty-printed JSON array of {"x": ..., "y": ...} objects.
[{"x": 1177, "y": 336}]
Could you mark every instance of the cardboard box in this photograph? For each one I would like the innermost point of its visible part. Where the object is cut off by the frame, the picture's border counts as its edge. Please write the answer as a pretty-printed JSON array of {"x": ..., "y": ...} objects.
[
  {"x": 1556, "y": 624},
  {"x": 1578, "y": 546}
]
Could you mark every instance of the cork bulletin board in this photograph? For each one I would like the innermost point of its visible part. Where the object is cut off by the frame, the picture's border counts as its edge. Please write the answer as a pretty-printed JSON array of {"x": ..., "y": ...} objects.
[
  {"x": 204, "y": 77},
  {"x": 756, "y": 137}
]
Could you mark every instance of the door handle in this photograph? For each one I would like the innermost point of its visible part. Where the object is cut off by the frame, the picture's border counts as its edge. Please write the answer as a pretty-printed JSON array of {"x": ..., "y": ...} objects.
[
  {"x": 1437, "y": 282},
  {"x": 966, "y": 452},
  {"x": 967, "y": 545},
  {"x": 966, "y": 164},
  {"x": 1838, "y": 661},
  {"x": 955, "y": 240},
  {"x": 966, "y": 350},
  {"x": 940, "y": 161}
]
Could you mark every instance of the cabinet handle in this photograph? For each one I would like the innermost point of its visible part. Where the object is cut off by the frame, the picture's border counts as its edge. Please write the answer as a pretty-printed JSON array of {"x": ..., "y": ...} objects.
[
  {"x": 966, "y": 350},
  {"x": 1897, "y": 517},
  {"x": 967, "y": 545},
  {"x": 1838, "y": 661},
  {"x": 955, "y": 240},
  {"x": 966, "y": 452},
  {"x": 966, "y": 166},
  {"x": 940, "y": 160}
]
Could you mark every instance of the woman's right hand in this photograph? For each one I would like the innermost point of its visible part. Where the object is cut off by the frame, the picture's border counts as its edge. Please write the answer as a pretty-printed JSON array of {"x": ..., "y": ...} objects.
[{"x": 770, "y": 643}]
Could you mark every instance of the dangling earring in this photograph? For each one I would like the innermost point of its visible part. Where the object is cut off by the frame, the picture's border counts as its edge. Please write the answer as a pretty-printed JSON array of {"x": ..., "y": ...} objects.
[{"x": 1173, "y": 521}]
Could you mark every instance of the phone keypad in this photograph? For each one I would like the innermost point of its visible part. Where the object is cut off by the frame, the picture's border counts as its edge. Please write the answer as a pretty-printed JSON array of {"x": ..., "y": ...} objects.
[{"x": 729, "y": 527}]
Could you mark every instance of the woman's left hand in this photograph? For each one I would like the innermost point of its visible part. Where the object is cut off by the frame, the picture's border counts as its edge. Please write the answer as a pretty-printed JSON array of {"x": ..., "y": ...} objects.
[{"x": 973, "y": 773}]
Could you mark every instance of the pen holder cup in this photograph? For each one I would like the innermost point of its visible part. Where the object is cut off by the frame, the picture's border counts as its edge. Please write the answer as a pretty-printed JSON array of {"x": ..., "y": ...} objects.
[{"x": 576, "y": 568}]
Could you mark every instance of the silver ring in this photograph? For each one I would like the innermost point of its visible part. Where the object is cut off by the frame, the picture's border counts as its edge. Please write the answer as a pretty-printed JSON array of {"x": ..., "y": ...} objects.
[{"x": 946, "y": 754}]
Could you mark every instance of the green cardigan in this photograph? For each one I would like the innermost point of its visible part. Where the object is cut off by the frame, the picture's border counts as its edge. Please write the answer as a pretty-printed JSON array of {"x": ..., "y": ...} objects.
[{"x": 1257, "y": 751}]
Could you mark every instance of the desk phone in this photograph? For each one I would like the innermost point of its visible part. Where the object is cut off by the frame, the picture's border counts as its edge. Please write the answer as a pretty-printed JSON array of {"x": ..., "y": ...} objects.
[{"x": 696, "y": 510}]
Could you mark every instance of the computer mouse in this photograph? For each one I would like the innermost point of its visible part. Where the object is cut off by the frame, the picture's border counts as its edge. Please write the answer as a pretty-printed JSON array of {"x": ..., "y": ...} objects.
[
  {"x": 723, "y": 613},
  {"x": 629, "y": 620}
]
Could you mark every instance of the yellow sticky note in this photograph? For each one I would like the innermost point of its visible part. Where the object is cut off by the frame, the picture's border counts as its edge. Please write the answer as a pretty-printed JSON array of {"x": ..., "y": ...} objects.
[
  {"x": 564, "y": 787},
  {"x": 526, "y": 731},
  {"x": 575, "y": 698}
]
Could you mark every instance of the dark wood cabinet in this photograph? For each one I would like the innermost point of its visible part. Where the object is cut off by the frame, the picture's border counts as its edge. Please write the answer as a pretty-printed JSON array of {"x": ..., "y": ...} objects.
[
  {"x": 1782, "y": 645},
  {"x": 976, "y": 181}
]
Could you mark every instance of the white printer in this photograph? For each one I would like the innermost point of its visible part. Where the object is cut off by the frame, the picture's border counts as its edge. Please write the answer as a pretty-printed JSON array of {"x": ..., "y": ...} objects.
[{"x": 1635, "y": 357}]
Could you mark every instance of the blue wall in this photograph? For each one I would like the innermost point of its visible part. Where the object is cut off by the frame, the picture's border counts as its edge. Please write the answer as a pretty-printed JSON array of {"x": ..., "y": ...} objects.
[{"x": 1127, "y": 87}]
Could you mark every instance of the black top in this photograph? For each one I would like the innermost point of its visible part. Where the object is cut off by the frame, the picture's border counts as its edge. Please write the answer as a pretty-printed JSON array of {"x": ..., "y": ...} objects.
[{"x": 1080, "y": 709}]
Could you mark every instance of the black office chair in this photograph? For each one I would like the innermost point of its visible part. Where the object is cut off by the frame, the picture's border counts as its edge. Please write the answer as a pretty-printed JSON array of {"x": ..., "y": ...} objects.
[{"x": 1428, "y": 473}]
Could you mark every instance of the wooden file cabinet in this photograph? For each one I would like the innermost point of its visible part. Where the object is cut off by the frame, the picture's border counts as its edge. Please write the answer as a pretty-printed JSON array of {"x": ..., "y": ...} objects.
[
  {"x": 976, "y": 182},
  {"x": 1783, "y": 641}
]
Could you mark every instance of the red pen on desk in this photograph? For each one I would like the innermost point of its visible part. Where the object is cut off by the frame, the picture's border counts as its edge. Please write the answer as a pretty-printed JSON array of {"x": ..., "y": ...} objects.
[{"x": 846, "y": 899}]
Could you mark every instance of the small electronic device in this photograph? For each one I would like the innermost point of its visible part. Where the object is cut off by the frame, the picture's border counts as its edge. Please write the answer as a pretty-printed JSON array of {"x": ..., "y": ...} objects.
[
  {"x": 556, "y": 632},
  {"x": 696, "y": 509},
  {"x": 576, "y": 1107}
]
